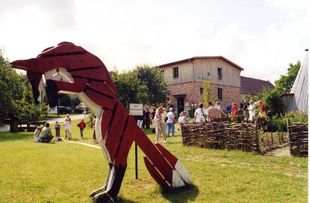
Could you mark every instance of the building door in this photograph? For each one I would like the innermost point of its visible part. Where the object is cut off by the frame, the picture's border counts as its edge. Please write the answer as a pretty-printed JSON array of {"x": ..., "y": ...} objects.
[{"x": 180, "y": 105}]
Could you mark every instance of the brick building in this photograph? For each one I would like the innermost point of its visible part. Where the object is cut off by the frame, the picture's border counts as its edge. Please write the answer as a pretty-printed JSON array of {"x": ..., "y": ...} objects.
[{"x": 185, "y": 80}]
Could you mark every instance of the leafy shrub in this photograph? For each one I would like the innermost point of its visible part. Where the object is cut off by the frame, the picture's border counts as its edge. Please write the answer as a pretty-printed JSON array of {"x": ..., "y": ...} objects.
[
  {"x": 276, "y": 124},
  {"x": 297, "y": 117}
]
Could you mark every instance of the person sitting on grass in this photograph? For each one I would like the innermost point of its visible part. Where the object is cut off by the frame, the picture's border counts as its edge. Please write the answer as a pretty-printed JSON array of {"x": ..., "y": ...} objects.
[
  {"x": 46, "y": 134},
  {"x": 36, "y": 133}
]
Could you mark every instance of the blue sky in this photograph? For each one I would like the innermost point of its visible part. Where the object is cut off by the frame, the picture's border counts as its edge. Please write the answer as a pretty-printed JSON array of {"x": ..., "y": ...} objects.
[{"x": 262, "y": 36}]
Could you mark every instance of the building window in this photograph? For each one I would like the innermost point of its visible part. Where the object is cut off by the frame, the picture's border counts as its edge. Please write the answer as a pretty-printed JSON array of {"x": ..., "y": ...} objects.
[
  {"x": 219, "y": 73},
  {"x": 175, "y": 72},
  {"x": 201, "y": 91},
  {"x": 219, "y": 93}
]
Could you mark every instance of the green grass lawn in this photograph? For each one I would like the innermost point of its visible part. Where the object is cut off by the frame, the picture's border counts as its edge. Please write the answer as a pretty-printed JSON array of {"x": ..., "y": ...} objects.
[{"x": 66, "y": 172}]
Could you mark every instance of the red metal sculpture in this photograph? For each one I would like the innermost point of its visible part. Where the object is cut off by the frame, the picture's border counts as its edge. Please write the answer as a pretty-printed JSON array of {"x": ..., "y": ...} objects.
[{"x": 69, "y": 68}]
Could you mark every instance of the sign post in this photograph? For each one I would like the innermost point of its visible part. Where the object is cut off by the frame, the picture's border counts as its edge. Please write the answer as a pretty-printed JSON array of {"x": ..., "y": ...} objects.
[{"x": 136, "y": 110}]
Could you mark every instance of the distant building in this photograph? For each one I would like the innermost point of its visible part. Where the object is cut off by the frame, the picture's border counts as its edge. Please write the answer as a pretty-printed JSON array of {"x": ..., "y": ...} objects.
[
  {"x": 253, "y": 86},
  {"x": 185, "y": 80}
]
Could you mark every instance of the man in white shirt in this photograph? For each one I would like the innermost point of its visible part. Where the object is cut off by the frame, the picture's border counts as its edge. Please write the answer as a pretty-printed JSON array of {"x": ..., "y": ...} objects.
[{"x": 200, "y": 114}]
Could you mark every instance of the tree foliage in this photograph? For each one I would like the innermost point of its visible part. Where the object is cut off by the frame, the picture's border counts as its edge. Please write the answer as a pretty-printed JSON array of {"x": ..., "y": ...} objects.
[
  {"x": 16, "y": 96},
  {"x": 285, "y": 82},
  {"x": 144, "y": 85},
  {"x": 10, "y": 89},
  {"x": 207, "y": 92},
  {"x": 157, "y": 89}
]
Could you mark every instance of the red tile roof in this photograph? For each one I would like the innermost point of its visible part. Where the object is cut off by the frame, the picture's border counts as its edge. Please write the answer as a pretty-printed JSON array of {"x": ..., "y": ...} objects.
[
  {"x": 254, "y": 86},
  {"x": 201, "y": 57}
]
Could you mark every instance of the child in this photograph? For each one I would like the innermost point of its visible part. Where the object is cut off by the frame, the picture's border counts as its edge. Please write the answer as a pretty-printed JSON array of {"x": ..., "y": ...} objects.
[
  {"x": 67, "y": 126},
  {"x": 182, "y": 118},
  {"x": 57, "y": 130},
  {"x": 81, "y": 125}
]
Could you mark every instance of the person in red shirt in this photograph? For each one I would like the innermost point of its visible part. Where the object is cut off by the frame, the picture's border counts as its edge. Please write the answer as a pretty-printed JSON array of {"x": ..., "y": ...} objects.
[
  {"x": 234, "y": 109},
  {"x": 81, "y": 125}
]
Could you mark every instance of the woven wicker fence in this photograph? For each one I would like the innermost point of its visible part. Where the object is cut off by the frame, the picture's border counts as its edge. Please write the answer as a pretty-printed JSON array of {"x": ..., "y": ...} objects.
[
  {"x": 298, "y": 135},
  {"x": 221, "y": 135},
  {"x": 232, "y": 136}
]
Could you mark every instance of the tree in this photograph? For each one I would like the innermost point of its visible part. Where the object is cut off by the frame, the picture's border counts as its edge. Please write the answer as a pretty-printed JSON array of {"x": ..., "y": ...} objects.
[
  {"x": 157, "y": 89},
  {"x": 144, "y": 85},
  {"x": 128, "y": 88},
  {"x": 64, "y": 100},
  {"x": 273, "y": 101},
  {"x": 16, "y": 101},
  {"x": 207, "y": 92},
  {"x": 285, "y": 83},
  {"x": 10, "y": 88},
  {"x": 25, "y": 108}
]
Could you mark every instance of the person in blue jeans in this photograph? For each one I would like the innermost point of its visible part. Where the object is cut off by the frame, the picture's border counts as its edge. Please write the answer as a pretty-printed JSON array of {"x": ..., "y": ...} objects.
[{"x": 170, "y": 122}]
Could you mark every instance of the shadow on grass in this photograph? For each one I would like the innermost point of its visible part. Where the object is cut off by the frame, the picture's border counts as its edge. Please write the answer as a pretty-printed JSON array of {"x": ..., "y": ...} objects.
[
  {"x": 121, "y": 200},
  {"x": 6, "y": 136},
  {"x": 182, "y": 195}
]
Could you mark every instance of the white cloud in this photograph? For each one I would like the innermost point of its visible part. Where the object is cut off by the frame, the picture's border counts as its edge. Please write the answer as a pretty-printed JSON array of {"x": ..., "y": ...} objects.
[{"x": 125, "y": 34}]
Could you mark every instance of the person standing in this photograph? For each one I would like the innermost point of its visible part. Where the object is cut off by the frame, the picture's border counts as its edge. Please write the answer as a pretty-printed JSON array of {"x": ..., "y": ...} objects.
[
  {"x": 170, "y": 122},
  {"x": 67, "y": 127},
  {"x": 160, "y": 125},
  {"x": 213, "y": 112},
  {"x": 234, "y": 110},
  {"x": 245, "y": 109},
  {"x": 200, "y": 114},
  {"x": 182, "y": 118},
  {"x": 218, "y": 105},
  {"x": 262, "y": 109},
  {"x": 146, "y": 121},
  {"x": 81, "y": 125},
  {"x": 139, "y": 120},
  {"x": 251, "y": 108},
  {"x": 57, "y": 131}
]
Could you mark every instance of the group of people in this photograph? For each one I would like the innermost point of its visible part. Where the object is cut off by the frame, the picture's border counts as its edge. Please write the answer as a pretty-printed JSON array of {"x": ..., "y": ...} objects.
[
  {"x": 249, "y": 110},
  {"x": 144, "y": 121},
  {"x": 44, "y": 134},
  {"x": 164, "y": 122},
  {"x": 161, "y": 118},
  {"x": 214, "y": 111}
]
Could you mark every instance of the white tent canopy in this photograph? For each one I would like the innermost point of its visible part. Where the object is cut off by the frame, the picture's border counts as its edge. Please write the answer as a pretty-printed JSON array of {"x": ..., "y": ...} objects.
[{"x": 300, "y": 88}]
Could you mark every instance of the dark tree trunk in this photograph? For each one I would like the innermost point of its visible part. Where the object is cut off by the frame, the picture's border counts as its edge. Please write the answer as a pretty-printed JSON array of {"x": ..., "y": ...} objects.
[{"x": 13, "y": 124}]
